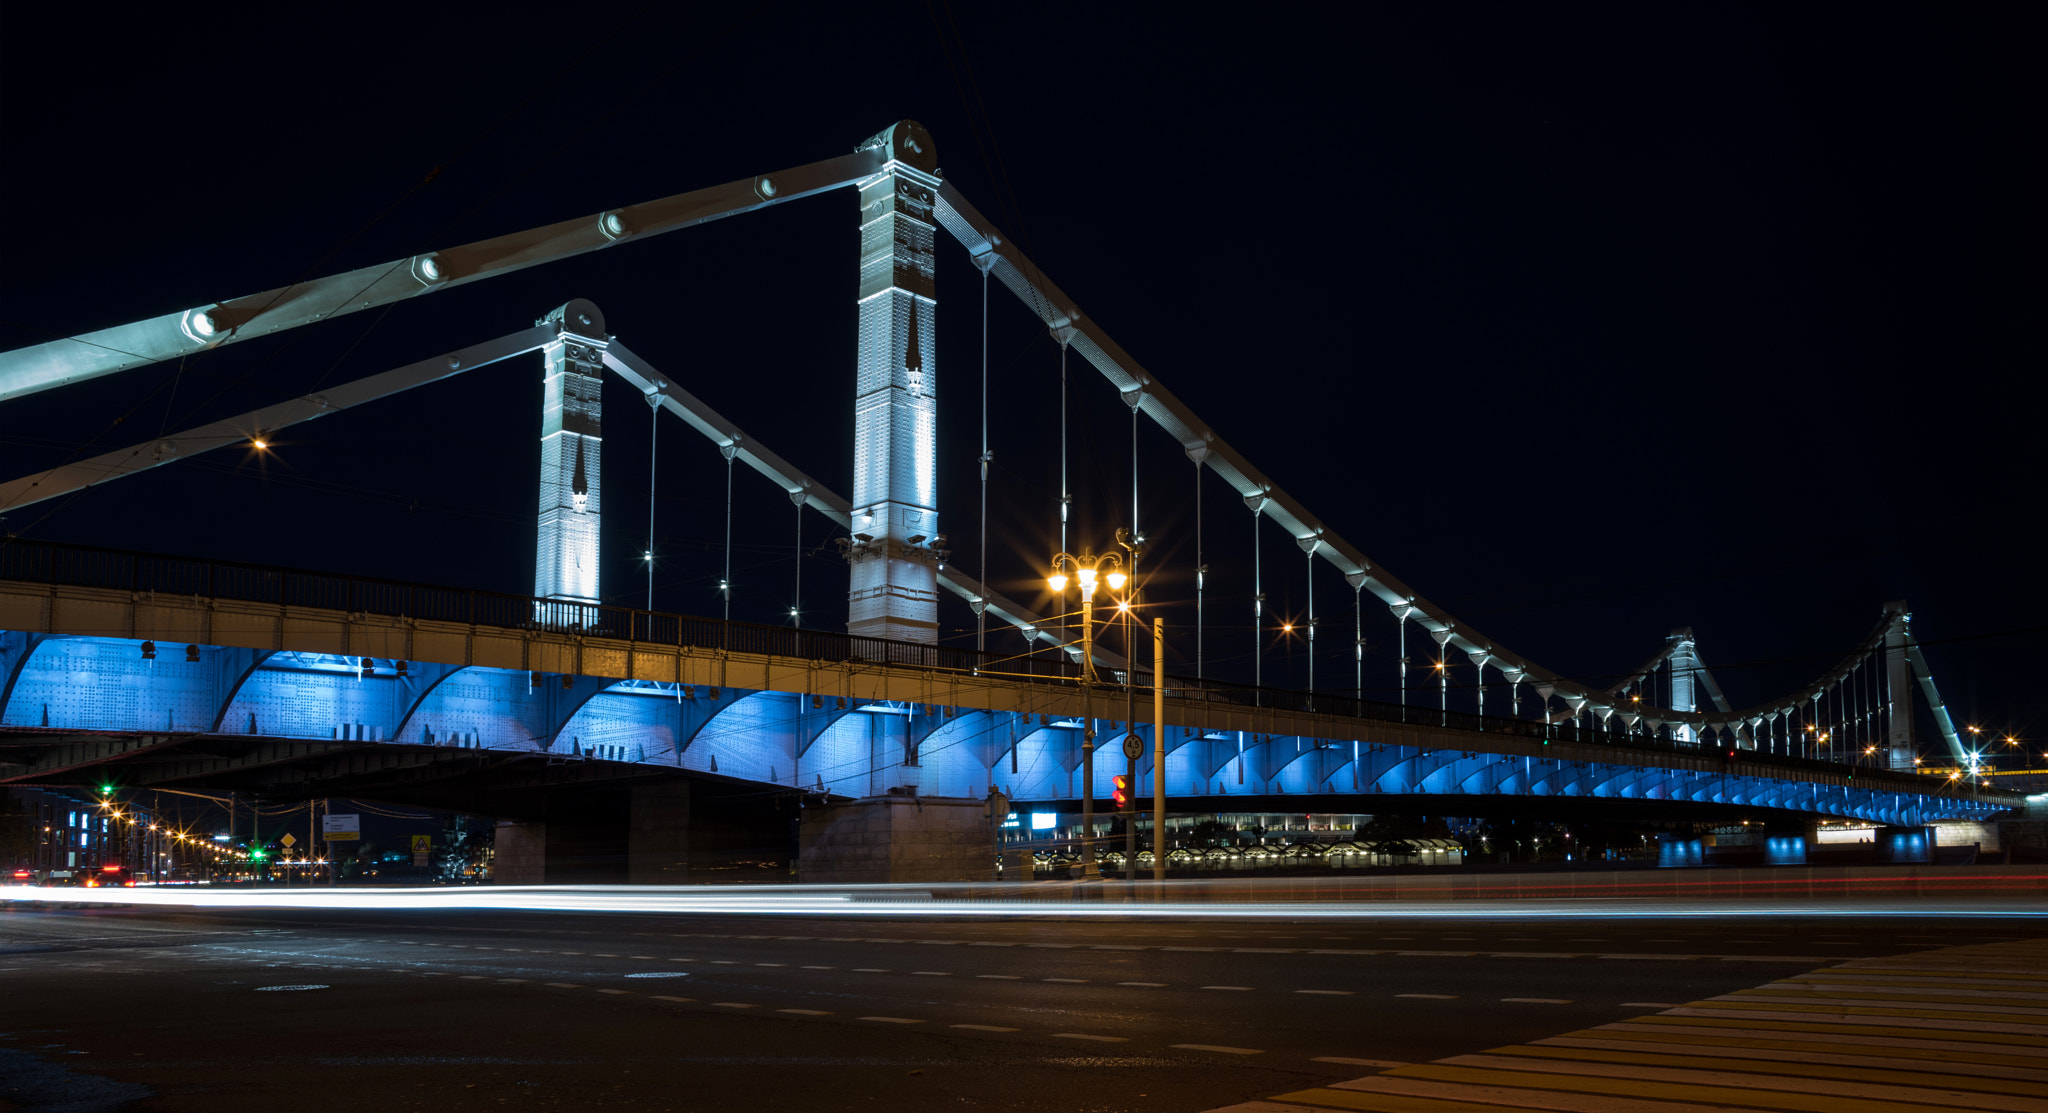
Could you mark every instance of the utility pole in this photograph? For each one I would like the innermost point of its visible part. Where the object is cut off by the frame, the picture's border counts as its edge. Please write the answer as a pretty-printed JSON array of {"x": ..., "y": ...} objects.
[{"x": 1158, "y": 749}]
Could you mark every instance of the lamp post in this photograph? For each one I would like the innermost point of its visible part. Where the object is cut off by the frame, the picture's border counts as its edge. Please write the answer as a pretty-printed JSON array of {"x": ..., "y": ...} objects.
[
  {"x": 1133, "y": 544},
  {"x": 1086, "y": 569}
]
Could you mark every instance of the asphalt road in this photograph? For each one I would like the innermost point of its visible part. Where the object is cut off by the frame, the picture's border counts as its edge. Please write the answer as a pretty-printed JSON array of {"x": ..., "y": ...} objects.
[{"x": 363, "y": 1011}]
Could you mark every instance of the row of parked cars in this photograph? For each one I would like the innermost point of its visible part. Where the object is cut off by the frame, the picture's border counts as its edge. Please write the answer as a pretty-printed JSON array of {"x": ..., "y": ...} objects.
[{"x": 105, "y": 877}]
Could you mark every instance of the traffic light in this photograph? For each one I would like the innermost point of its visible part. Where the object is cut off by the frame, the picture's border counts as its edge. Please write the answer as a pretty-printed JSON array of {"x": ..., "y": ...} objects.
[{"x": 1122, "y": 792}]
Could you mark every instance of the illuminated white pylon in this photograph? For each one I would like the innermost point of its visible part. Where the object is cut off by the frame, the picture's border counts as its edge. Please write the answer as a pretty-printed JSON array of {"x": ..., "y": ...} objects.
[
  {"x": 896, "y": 546},
  {"x": 571, "y": 440}
]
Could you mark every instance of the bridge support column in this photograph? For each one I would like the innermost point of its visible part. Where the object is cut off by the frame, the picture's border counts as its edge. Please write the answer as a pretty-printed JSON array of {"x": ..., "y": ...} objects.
[
  {"x": 658, "y": 835},
  {"x": 896, "y": 545},
  {"x": 1898, "y": 677},
  {"x": 898, "y": 837},
  {"x": 566, "y": 560},
  {"x": 1684, "y": 665}
]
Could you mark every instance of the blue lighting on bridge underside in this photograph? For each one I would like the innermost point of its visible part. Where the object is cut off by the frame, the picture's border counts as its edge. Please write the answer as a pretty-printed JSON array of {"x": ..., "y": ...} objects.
[
  {"x": 781, "y": 738},
  {"x": 1175, "y": 900}
]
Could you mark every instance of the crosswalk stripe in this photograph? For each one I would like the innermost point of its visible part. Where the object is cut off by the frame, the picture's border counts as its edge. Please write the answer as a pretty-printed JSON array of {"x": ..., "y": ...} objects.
[
  {"x": 1954, "y": 1004},
  {"x": 1419, "y": 1097},
  {"x": 1852, "y": 1016},
  {"x": 1639, "y": 1088},
  {"x": 1865, "y": 977},
  {"x": 1792, "y": 1064},
  {"x": 1999, "y": 977},
  {"x": 1792, "y": 1030},
  {"x": 1874, "y": 1089},
  {"x": 1919, "y": 1058},
  {"x": 1921, "y": 989}
]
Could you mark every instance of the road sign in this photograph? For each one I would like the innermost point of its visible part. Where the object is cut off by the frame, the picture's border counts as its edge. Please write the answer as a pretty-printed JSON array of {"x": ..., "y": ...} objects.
[
  {"x": 1134, "y": 746},
  {"x": 422, "y": 848},
  {"x": 287, "y": 841},
  {"x": 341, "y": 828}
]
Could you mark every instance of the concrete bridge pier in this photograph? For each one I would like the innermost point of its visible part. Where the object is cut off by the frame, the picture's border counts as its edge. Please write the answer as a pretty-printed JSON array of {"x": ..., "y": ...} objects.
[{"x": 675, "y": 833}]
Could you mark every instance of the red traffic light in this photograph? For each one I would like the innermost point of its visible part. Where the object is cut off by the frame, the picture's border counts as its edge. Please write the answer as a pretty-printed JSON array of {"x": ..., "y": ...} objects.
[{"x": 1122, "y": 792}]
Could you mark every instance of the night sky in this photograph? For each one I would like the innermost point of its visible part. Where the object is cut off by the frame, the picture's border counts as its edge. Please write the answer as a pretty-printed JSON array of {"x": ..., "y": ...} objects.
[{"x": 1587, "y": 322}]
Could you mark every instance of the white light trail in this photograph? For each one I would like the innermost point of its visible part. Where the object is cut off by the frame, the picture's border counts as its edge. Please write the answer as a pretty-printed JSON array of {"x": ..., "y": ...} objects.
[{"x": 898, "y": 902}]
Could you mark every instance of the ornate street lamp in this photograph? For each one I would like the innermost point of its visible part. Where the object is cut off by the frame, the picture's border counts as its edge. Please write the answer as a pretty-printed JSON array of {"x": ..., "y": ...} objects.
[{"x": 1087, "y": 570}]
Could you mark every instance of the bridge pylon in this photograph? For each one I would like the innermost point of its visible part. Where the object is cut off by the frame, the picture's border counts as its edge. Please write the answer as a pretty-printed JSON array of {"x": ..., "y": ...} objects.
[
  {"x": 896, "y": 546},
  {"x": 565, "y": 561}
]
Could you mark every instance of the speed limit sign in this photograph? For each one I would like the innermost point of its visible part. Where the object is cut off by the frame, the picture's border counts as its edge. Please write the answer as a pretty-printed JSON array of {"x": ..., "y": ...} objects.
[{"x": 1134, "y": 746}]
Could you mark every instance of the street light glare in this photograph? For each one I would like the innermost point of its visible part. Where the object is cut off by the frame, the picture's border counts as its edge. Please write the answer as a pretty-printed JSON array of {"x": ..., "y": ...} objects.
[
  {"x": 1116, "y": 581},
  {"x": 1058, "y": 582}
]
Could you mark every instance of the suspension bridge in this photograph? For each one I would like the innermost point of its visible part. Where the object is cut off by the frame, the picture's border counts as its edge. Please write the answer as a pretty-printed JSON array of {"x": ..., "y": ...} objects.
[{"x": 145, "y": 670}]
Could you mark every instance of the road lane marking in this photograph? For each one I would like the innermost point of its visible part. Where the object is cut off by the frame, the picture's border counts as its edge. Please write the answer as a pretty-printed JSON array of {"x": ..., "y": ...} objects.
[
  {"x": 1219, "y": 1049},
  {"x": 1236, "y": 988},
  {"x": 677, "y": 1000},
  {"x": 1001, "y": 977},
  {"x": 806, "y": 1012},
  {"x": 615, "y": 992},
  {"x": 931, "y": 973},
  {"x": 732, "y": 1005},
  {"x": 771, "y": 964},
  {"x": 1068, "y": 981},
  {"x": 1147, "y": 985},
  {"x": 870, "y": 969},
  {"x": 984, "y": 1028},
  {"x": 1086, "y": 1036},
  {"x": 892, "y": 1020},
  {"x": 820, "y": 968}
]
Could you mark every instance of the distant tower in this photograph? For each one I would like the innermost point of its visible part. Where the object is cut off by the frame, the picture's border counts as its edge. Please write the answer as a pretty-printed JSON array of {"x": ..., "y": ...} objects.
[
  {"x": 1685, "y": 668},
  {"x": 571, "y": 450},
  {"x": 896, "y": 547}
]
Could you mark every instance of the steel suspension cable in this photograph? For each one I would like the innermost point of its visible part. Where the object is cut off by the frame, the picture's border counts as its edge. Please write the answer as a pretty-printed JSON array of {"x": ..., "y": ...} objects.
[
  {"x": 1201, "y": 569},
  {"x": 725, "y": 583},
  {"x": 981, "y": 603},
  {"x": 653, "y": 455}
]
